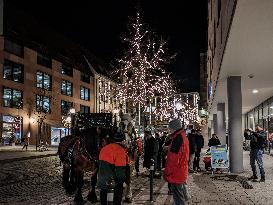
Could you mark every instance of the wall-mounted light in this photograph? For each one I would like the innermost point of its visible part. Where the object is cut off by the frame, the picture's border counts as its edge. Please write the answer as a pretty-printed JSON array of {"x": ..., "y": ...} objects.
[{"x": 254, "y": 91}]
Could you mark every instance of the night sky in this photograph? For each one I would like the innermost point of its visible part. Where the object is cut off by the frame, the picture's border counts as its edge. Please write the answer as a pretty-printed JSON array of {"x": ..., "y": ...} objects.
[{"x": 98, "y": 25}]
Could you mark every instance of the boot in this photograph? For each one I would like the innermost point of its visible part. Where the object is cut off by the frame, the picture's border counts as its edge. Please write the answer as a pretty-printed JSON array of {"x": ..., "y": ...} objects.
[
  {"x": 262, "y": 179},
  {"x": 253, "y": 178}
]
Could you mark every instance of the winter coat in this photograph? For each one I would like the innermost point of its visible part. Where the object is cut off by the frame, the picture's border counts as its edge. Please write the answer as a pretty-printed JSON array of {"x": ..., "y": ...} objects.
[
  {"x": 113, "y": 161},
  {"x": 199, "y": 141},
  {"x": 257, "y": 140},
  {"x": 151, "y": 148},
  {"x": 214, "y": 142},
  {"x": 192, "y": 142},
  {"x": 176, "y": 169}
]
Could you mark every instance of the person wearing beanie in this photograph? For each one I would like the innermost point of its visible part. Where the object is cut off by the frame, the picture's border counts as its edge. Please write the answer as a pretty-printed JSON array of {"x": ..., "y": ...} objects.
[
  {"x": 176, "y": 169},
  {"x": 113, "y": 161}
]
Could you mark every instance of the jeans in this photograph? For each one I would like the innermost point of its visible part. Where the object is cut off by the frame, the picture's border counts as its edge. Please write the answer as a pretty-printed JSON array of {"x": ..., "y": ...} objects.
[
  {"x": 191, "y": 161},
  {"x": 257, "y": 155},
  {"x": 179, "y": 194}
]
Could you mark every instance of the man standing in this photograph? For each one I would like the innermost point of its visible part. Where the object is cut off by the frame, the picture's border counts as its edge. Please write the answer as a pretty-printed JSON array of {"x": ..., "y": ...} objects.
[
  {"x": 192, "y": 146},
  {"x": 199, "y": 141},
  {"x": 176, "y": 170},
  {"x": 257, "y": 144},
  {"x": 113, "y": 161},
  {"x": 214, "y": 141}
]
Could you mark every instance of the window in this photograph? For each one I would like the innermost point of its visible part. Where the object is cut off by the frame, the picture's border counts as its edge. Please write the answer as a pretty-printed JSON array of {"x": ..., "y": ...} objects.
[
  {"x": 12, "y": 98},
  {"x": 85, "y": 109},
  {"x": 13, "y": 71},
  {"x": 85, "y": 93},
  {"x": 66, "y": 70},
  {"x": 65, "y": 107},
  {"x": 44, "y": 60},
  {"x": 85, "y": 78},
  {"x": 42, "y": 104},
  {"x": 14, "y": 48},
  {"x": 44, "y": 80},
  {"x": 67, "y": 88}
]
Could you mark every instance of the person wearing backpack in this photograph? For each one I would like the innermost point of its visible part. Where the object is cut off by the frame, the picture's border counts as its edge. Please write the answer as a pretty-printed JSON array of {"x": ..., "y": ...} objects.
[{"x": 257, "y": 145}]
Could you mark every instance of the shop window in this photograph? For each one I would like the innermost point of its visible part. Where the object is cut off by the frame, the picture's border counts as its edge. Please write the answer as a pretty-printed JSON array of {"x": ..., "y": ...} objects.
[
  {"x": 65, "y": 107},
  {"x": 66, "y": 70},
  {"x": 67, "y": 88},
  {"x": 85, "y": 93},
  {"x": 14, "y": 48},
  {"x": 44, "y": 60},
  {"x": 85, "y": 109},
  {"x": 85, "y": 77},
  {"x": 12, "y": 128},
  {"x": 42, "y": 104},
  {"x": 12, "y": 98},
  {"x": 13, "y": 71},
  {"x": 44, "y": 80}
]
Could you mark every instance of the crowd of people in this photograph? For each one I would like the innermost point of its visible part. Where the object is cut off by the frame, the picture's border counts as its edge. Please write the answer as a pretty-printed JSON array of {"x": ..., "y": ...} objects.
[{"x": 176, "y": 152}]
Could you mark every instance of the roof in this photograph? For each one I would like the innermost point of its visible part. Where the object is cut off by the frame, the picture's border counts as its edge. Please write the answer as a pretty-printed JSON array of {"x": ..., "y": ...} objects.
[{"x": 28, "y": 31}]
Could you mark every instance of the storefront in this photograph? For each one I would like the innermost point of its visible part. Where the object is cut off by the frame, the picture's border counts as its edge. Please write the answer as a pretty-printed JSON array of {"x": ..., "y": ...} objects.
[
  {"x": 12, "y": 129},
  {"x": 262, "y": 114},
  {"x": 57, "y": 133}
]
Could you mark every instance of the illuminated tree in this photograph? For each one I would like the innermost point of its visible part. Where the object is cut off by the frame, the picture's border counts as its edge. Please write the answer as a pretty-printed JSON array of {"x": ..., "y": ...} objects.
[{"x": 141, "y": 71}]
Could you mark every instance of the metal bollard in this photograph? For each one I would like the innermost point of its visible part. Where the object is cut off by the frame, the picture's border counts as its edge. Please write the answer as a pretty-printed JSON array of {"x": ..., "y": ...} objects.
[
  {"x": 110, "y": 192},
  {"x": 152, "y": 167}
]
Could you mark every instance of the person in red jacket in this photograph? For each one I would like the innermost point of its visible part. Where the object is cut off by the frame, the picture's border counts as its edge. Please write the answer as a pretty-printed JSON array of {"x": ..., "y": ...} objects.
[{"x": 176, "y": 169}]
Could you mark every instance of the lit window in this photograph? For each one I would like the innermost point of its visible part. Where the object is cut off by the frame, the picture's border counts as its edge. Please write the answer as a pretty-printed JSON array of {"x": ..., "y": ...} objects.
[
  {"x": 67, "y": 88},
  {"x": 42, "y": 104},
  {"x": 85, "y": 93},
  {"x": 43, "y": 80},
  {"x": 12, "y": 98}
]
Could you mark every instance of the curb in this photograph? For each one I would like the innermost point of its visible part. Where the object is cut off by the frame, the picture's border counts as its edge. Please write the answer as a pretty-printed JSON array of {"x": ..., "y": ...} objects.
[{"x": 3, "y": 161}]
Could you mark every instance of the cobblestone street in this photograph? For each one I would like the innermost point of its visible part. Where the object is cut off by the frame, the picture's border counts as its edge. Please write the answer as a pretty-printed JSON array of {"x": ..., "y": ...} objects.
[{"x": 38, "y": 181}]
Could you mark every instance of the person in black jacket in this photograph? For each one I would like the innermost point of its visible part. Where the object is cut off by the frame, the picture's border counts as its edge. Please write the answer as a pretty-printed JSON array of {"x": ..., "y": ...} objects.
[
  {"x": 257, "y": 144},
  {"x": 150, "y": 150},
  {"x": 192, "y": 146},
  {"x": 199, "y": 143},
  {"x": 214, "y": 141}
]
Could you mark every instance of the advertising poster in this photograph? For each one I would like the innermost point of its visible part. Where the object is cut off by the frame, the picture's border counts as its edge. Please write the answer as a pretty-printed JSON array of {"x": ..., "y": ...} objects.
[{"x": 219, "y": 158}]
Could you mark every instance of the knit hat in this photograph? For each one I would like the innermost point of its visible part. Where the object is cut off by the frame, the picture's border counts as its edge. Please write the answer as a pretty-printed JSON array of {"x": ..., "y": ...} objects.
[
  {"x": 175, "y": 124},
  {"x": 119, "y": 137}
]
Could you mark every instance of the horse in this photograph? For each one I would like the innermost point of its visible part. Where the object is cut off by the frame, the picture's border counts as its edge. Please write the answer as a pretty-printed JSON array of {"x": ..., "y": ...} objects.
[{"x": 78, "y": 154}]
